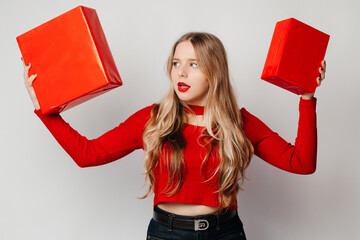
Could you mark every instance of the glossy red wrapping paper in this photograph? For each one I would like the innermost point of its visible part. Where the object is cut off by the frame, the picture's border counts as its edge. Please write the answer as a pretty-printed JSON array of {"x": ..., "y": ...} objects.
[
  {"x": 72, "y": 58},
  {"x": 294, "y": 56}
]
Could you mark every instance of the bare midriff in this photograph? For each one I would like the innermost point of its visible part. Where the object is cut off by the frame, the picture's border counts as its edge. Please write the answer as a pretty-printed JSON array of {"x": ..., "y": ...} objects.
[{"x": 186, "y": 209}]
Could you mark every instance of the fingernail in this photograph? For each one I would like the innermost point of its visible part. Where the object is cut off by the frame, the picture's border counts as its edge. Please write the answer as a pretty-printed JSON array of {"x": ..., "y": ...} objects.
[
  {"x": 320, "y": 76},
  {"x": 21, "y": 59},
  {"x": 324, "y": 62},
  {"x": 28, "y": 64},
  {"x": 322, "y": 69},
  {"x": 35, "y": 74}
]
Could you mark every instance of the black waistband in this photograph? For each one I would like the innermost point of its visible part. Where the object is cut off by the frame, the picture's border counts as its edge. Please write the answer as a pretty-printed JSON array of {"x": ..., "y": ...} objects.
[{"x": 195, "y": 223}]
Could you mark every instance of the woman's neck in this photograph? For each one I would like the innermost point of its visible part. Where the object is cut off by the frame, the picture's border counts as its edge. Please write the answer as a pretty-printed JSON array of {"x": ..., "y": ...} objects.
[
  {"x": 198, "y": 110},
  {"x": 195, "y": 115}
]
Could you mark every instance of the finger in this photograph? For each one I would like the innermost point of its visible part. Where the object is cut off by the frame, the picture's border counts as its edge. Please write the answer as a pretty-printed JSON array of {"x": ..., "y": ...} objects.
[
  {"x": 323, "y": 64},
  {"x": 30, "y": 80},
  {"x": 318, "y": 81},
  {"x": 321, "y": 73},
  {"x": 26, "y": 70}
]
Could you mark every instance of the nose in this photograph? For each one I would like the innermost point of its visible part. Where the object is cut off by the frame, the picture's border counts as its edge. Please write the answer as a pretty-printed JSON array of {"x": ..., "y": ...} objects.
[{"x": 182, "y": 71}]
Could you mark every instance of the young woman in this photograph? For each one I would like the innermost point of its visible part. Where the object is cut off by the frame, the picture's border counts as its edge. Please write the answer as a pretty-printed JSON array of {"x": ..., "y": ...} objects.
[{"x": 197, "y": 143}]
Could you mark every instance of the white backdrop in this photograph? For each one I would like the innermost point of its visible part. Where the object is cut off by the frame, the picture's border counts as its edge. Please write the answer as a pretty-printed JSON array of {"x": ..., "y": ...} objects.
[{"x": 44, "y": 195}]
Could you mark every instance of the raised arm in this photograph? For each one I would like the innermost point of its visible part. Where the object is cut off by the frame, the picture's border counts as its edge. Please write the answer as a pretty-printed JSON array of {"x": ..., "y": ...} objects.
[
  {"x": 111, "y": 146},
  {"x": 298, "y": 158}
]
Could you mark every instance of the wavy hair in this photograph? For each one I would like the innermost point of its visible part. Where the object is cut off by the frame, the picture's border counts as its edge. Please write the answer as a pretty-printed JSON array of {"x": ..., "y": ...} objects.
[{"x": 223, "y": 125}]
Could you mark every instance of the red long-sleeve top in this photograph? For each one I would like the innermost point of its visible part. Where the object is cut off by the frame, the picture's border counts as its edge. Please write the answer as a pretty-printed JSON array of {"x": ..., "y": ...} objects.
[{"x": 268, "y": 145}]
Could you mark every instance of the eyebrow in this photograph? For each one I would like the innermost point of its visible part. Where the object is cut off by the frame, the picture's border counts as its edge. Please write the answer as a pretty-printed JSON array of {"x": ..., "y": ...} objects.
[{"x": 189, "y": 59}]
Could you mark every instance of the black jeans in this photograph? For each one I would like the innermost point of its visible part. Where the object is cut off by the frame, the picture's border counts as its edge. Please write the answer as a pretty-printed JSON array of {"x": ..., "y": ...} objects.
[{"x": 229, "y": 230}]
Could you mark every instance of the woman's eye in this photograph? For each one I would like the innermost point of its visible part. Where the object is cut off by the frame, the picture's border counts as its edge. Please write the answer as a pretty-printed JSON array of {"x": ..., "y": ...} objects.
[
  {"x": 193, "y": 64},
  {"x": 175, "y": 64}
]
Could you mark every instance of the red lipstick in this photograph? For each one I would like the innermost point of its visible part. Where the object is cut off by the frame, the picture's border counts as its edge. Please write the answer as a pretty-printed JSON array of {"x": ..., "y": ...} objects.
[{"x": 182, "y": 87}]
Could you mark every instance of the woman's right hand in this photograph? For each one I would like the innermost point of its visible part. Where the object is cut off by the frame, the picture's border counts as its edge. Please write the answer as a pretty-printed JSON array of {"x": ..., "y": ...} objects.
[{"x": 28, "y": 84}]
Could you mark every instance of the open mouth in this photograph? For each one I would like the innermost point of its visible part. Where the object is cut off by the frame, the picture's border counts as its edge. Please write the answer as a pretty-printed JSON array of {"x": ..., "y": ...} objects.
[{"x": 182, "y": 87}]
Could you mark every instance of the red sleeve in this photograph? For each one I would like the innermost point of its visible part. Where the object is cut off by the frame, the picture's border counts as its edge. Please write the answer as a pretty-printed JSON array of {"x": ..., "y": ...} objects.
[
  {"x": 111, "y": 146},
  {"x": 269, "y": 146}
]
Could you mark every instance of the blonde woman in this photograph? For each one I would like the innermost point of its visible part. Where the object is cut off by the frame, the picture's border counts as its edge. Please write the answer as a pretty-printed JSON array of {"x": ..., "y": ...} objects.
[{"x": 197, "y": 143}]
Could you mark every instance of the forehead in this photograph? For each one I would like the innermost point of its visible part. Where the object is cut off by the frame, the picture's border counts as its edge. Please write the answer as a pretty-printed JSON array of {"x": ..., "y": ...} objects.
[{"x": 185, "y": 50}]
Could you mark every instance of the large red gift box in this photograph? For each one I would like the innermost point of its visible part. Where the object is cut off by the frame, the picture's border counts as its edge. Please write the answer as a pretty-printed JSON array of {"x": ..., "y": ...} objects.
[
  {"x": 72, "y": 60},
  {"x": 295, "y": 56}
]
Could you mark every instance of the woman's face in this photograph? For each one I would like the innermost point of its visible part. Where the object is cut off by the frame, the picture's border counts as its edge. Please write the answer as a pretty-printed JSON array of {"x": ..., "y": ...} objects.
[{"x": 189, "y": 82}]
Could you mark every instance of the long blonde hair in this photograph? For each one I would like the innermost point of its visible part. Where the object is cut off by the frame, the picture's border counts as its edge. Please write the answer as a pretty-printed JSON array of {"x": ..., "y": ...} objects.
[{"x": 223, "y": 131}]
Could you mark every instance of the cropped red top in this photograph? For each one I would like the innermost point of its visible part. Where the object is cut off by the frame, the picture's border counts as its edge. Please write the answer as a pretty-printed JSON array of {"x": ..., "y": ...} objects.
[{"x": 125, "y": 138}]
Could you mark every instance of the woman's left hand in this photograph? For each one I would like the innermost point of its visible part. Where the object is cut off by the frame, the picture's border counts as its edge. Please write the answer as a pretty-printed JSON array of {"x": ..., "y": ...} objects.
[{"x": 319, "y": 79}]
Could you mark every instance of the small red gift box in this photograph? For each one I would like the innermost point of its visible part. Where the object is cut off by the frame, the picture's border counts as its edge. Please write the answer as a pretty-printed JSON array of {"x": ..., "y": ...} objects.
[
  {"x": 294, "y": 56},
  {"x": 72, "y": 59}
]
